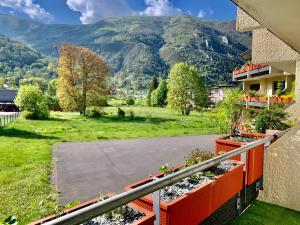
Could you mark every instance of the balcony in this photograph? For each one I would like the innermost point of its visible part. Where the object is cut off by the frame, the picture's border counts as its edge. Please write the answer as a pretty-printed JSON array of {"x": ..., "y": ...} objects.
[
  {"x": 250, "y": 70},
  {"x": 264, "y": 101}
]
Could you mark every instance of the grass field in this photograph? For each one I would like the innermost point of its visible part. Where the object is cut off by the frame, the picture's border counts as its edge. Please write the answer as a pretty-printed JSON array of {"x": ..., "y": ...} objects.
[
  {"x": 25, "y": 155},
  {"x": 260, "y": 213}
]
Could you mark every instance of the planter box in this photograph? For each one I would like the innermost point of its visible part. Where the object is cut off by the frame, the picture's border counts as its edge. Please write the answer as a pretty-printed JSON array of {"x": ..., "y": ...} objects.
[
  {"x": 197, "y": 205},
  {"x": 227, "y": 185},
  {"x": 254, "y": 159},
  {"x": 148, "y": 219},
  {"x": 189, "y": 209},
  {"x": 254, "y": 99}
]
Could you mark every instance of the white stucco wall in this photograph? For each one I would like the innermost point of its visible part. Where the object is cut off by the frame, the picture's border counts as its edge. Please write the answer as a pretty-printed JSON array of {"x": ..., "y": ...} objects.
[
  {"x": 245, "y": 22},
  {"x": 267, "y": 48}
]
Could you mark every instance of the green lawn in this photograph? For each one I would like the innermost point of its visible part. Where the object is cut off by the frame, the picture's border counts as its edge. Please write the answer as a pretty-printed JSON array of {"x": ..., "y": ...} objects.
[
  {"x": 260, "y": 213},
  {"x": 25, "y": 150}
]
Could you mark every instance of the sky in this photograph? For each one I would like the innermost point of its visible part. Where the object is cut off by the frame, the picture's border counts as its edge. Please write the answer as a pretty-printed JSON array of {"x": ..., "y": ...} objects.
[{"x": 91, "y": 11}]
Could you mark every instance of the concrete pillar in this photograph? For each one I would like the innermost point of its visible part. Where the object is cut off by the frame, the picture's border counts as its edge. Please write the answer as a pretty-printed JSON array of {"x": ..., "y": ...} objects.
[{"x": 297, "y": 82}]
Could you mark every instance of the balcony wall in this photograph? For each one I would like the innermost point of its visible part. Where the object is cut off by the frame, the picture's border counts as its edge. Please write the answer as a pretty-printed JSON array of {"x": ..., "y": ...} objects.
[{"x": 281, "y": 171}]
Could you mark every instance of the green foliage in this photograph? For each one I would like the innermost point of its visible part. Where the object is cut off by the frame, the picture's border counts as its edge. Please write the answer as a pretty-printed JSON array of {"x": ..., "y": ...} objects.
[
  {"x": 121, "y": 113},
  {"x": 159, "y": 95},
  {"x": 230, "y": 111},
  {"x": 153, "y": 86},
  {"x": 130, "y": 101},
  {"x": 131, "y": 114},
  {"x": 94, "y": 112},
  {"x": 11, "y": 220},
  {"x": 20, "y": 62},
  {"x": 31, "y": 99},
  {"x": 186, "y": 88},
  {"x": 271, "y": 119},
  {"x": 166, "y": 169},
  {"x": 279, "y": 88},
  {"x": 153, "y": 45},
  {"x": 198, "y": 156}
]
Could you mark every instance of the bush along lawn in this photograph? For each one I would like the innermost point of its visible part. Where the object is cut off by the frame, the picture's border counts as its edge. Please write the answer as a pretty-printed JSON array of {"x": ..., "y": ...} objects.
[
  {"x": 26, "y": 165},
  {"x": 260, "y": 213}
]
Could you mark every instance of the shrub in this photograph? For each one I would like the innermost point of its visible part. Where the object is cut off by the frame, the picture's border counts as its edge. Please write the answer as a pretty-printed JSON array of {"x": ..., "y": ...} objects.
[
  {"x": 94, "y": 112},
  {"x": 198, "y": 156},
  {"x": 30, "y": 98},
  {"x": 130, "y": 101},
  {"x": 271, "y": 119},
  {"x": 121, "y": 113},
  {"x": 159, "y": 95},
  {"x": 230, "y": 111},
  {"x": 131, "y": 114}
]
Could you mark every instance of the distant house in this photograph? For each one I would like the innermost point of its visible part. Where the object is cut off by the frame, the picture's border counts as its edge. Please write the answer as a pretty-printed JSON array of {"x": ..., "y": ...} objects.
[
  {"x": 7, "y": 98},
  {"x": 218, "y": 93}
]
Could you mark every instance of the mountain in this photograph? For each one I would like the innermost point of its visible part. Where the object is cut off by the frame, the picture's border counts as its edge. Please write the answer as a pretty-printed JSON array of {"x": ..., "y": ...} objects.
[
  {"x": 18, "y": 61},
  {"x": 138, "y": 48}
]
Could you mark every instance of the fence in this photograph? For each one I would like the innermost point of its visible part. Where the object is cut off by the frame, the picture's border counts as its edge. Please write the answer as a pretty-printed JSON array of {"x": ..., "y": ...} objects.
[
  {"x": 90, "y": 212},
  {"x": 5, "y": 119}
]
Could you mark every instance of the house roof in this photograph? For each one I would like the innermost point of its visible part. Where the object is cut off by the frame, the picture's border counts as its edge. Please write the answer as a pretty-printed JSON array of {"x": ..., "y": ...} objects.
[{"x": 7, "y": 96}]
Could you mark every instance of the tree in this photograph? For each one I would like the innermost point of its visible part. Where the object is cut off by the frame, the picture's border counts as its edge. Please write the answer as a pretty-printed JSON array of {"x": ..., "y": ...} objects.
[
  {"x": 32, "y": 102},
  {"x": 153, "y": 86},
  {"x": 230, "y": 111},
  {"x": 159, "y": 95},
  {"x": 82, "y": 77},
  {"x": 186, "y": 88}
]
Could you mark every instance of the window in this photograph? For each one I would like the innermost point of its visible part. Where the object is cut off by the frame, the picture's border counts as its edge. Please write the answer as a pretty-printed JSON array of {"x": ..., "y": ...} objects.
[{"x": 254, "y": 87}]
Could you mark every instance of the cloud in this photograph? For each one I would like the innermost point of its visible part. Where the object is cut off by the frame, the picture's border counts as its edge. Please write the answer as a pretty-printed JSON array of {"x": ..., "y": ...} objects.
[
  {"x": 160, "y": 8},
  {"x": 95, "y": 10},
  {"x": 201, "y": 13},
  {"x": 211, "y": 12},
  {"x": 34, "y": 11}
]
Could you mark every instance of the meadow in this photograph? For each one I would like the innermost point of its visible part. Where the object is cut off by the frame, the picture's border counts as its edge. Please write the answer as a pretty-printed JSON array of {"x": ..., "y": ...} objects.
[{"x": 26, "y": 165}]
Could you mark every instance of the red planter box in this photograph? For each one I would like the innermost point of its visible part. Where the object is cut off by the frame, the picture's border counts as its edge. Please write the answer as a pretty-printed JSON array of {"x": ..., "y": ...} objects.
[
  {"x": 189, "y": 209},
  {"x": 148, "y": 219},
  {"x": 254, "y": 160},
  {"x": 198, "y": 204},
  {"x": 227, "y": 185}
]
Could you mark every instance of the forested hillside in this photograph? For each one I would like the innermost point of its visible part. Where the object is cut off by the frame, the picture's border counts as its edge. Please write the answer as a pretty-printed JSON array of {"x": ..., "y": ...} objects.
[
  {"x": 18, "y": 61},
  {"x": 138, "y": 48}
]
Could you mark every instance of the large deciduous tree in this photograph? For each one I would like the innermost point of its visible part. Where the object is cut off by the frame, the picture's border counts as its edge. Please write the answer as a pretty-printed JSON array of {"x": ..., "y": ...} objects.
[
  {"x": 82, "y": 78},
  {"x": 186, "y": 88}
]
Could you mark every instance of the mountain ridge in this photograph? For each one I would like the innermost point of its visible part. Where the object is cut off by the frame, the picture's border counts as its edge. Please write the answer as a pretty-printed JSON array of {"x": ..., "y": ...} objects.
[{"x": 138, "y": 48}]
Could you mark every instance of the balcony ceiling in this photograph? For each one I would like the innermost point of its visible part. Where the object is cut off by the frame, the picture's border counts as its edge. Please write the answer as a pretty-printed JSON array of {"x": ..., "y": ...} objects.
[{"x": 282, "y": 18}]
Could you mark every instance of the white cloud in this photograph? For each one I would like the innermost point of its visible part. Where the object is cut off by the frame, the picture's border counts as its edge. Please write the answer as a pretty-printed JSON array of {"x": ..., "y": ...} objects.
[
  {"x": 201, "y": 13},
  {"x": 34, "y": 11},
  {"x": 160, "y": 8},
  {"x": 95, "y": 10}
]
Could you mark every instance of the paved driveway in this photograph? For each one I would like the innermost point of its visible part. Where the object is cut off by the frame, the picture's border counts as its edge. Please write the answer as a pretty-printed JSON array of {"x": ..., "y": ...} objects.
[{"x": 85, "y": 169}]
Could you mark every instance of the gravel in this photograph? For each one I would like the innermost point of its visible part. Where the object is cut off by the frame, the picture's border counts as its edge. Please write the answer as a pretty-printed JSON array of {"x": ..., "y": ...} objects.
[
  {"x": 180, "y": 188},
  {"x": 241, "y": 139},
  {"x": 122, "y": 216}
]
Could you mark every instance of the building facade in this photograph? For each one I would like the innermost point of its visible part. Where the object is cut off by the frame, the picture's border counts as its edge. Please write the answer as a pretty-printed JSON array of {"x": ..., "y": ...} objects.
[{"x": 275, "y": 58}]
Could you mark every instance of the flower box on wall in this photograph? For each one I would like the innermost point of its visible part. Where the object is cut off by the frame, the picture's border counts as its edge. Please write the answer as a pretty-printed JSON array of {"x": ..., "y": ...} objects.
[
  {"x": 148, "y": 219},
  {"x": 254, "y": 157},
  {"x": 191, "y": 208}
]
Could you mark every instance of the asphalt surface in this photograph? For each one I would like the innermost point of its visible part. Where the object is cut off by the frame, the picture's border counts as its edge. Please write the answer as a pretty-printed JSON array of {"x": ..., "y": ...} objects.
[{"x": 84, "y": 170}]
